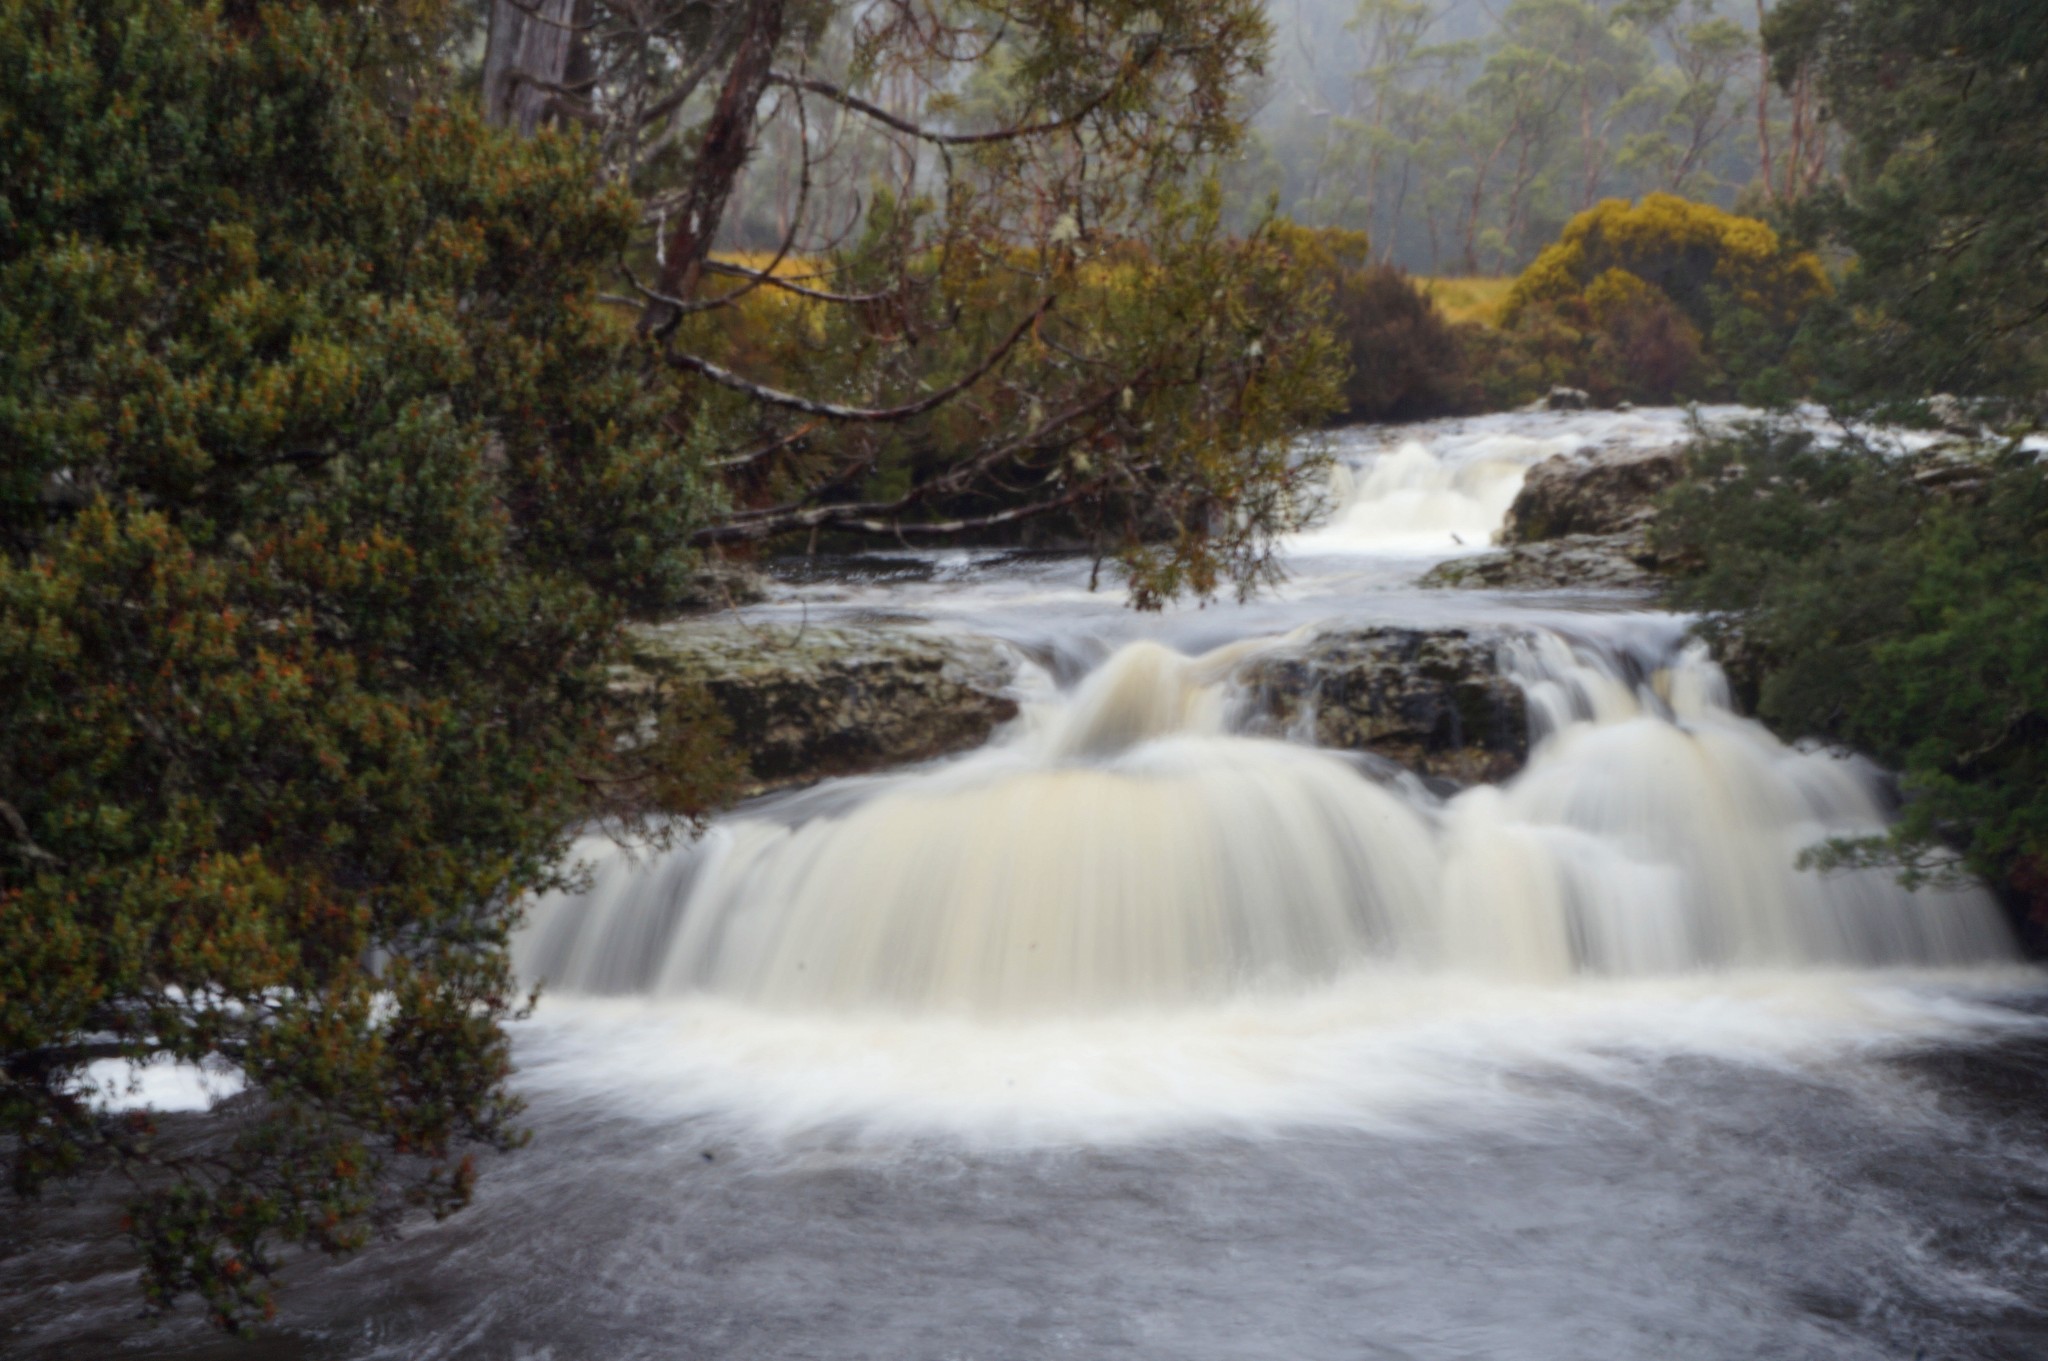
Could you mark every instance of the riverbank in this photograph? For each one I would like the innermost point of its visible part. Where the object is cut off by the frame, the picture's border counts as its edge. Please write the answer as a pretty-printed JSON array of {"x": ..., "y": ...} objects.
[{"x": 1179, "y": 1018}]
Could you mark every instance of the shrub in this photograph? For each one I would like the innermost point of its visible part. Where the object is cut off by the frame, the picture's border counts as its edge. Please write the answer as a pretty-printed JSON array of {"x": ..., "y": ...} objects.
[
  {"x": 1896, "y": 604},
  {"x": 1663, "y": 301},
  {"x": 1703, "y": 259},
  {"x": 326, "y": 486},
  {"x": 1406, "y": 360}
]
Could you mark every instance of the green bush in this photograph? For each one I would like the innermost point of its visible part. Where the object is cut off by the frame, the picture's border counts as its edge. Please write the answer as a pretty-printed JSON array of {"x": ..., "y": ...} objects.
[
  {"x": 326, "y": 487},
  {"x": 1897, "y": 604},
  {"x": 1406, "y": 360}
]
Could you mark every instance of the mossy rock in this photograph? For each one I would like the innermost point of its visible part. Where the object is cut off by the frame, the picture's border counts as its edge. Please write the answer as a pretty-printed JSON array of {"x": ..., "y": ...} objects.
[
  {"x": 1433, "y": 700},
  {"x": 809, "y": 702}
]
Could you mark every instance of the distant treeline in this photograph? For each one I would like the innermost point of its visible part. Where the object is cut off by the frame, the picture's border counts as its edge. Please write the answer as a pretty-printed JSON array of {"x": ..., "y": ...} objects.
[{"x": 1464, "y": 136}]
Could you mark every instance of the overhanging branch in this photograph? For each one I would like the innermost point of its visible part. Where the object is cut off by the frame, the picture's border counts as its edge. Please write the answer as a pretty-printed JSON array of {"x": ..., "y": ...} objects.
[
  {"x": 881, "y": 115},
  {"x": 760, "y": 392}
]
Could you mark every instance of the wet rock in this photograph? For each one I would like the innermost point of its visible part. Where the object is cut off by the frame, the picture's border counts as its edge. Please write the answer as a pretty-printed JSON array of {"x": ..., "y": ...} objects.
[
  {"x": 1567, "y": 399},
  {"x": 1591, "y": 562},
  {"x": 816, "y": 701},
  {"x": 718, "y": 585},
  {"x": 1593, "y": 491},
  {"x": 1431, "y": 699}
]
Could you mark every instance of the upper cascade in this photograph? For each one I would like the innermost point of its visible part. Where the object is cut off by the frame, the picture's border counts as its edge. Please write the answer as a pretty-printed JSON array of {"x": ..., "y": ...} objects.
[{"x": 1414, "y": 499}]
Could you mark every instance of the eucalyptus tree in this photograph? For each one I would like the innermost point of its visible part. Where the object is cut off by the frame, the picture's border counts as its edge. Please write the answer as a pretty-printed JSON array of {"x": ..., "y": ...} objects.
[
  {"x": 1698, "y": 89},
  {"x": 1030, "y": 306}
]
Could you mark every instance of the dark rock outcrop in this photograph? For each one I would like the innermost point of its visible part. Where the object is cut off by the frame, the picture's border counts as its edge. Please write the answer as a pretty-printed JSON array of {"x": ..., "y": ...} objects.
[
  {"x": 1592, "y": 492},
  {"x": 815, "y": 701},
  {"x": 1590, "y": 562},
  {"x": 1431, "y": 699},
  {"x": 1581, "y": 521}
]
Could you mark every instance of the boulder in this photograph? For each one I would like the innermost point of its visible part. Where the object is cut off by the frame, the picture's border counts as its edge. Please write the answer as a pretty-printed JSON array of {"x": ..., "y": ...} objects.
[
  {"x": 1593, "y": 491},
  {"x": 1592, "y": 562},
  {"x": 1433, "y": 700},
  {"x": 721, "y": 585},
  {"x": 814, "y": 701}
]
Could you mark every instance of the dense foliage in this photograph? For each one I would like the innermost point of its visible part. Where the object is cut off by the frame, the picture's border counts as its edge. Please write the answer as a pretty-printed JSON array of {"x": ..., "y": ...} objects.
[
  {"x": 1659, "y": 301},
  {"x": 324, "y": 492},
  {"x": 1945, "y": 110},
  {"x": 1150, "y": 414},
  {"x": 1463, "y": 133},
  {"x": 1898, "y": 604},
  {"x": 1406, "y": 360}
]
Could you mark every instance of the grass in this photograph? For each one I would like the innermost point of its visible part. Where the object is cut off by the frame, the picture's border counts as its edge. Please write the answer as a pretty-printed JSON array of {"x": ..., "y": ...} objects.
[{"x": 1470, "y": 299}]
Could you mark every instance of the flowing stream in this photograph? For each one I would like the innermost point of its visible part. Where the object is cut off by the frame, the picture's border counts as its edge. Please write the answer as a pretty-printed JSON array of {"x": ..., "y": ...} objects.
[{"x": 1148, "y": 1031}]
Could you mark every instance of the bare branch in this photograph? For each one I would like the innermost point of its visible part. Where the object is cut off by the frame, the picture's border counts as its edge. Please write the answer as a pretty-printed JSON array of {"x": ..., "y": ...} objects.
[
  {"x": 833, "y": 410},
  {"x": 761, "y": 451},
  {"x": 787, "y": 286},
  {"x": 919, "y": 131},
  {"x": 754, "y": 525}
]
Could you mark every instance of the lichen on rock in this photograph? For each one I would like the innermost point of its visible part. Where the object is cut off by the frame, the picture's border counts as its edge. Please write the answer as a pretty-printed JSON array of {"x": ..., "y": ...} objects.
[
  {"x": 812, "y": 701},
  {"x": 1433, "y": 700}
]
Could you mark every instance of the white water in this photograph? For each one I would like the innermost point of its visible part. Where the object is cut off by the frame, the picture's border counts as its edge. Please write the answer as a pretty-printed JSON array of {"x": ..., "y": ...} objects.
[
  {"x": 1121, "y": 850},
  {"x": 1309, "y": 1061},
  {"x": 1123, "y": 914},
  {"x": 1413, "y": 498}
]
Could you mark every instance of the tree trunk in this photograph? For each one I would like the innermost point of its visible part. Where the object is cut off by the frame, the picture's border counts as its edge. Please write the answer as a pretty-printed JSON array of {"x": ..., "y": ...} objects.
[
  {"x": 1763, "y": 104},
  {"x": 526, "y": 58},
  {"x": 728, "y": 140}
]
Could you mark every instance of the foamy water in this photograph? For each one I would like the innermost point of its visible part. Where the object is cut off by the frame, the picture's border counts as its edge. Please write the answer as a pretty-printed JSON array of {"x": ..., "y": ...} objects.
[
  {"x": 1125, "y": 915},
  {"x": 1380, "y": 1049},
  {"x": 1307, "y": 1061}
]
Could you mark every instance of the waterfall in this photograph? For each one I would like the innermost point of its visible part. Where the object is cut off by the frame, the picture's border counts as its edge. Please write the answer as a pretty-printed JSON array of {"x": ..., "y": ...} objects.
[
  {"x": 1415, "y": 499},
  {"x": 1120, "y": 848},
  {"x": 1129, "y": 843}
]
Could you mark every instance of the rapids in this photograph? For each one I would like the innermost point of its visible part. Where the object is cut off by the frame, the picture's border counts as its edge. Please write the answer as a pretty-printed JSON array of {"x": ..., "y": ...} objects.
[
  {"x": 1146, "y": 1031},
  {"x": 1126, "y": 845}
]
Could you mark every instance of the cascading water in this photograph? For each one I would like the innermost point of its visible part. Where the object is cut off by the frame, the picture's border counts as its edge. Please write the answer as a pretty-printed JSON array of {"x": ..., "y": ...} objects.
[
  {"x": 1148, "y": 1029},
  {"x": 1121, "y": 846}
]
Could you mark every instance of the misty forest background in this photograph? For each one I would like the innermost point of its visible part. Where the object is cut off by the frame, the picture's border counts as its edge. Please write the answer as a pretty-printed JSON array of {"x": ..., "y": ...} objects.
[{"x": 1462, "y": 135}]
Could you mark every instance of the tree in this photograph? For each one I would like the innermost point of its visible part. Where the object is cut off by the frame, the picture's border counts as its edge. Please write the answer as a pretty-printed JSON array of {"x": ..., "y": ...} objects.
[
  {"x": 1029, "y": 309},
  {"x": 1707, "y": 50},
  {"x": 1945, "y": 112},
  {"x": 327, "y": 486}
]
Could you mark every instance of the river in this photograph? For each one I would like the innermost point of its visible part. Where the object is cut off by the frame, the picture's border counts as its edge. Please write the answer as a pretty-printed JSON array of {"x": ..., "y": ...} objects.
[{"x": 1142, "y": 1033}]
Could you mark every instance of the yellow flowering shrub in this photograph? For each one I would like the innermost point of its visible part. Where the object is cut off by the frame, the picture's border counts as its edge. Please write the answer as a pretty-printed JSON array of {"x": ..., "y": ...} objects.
[{"x": 1702, "y": 258}]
